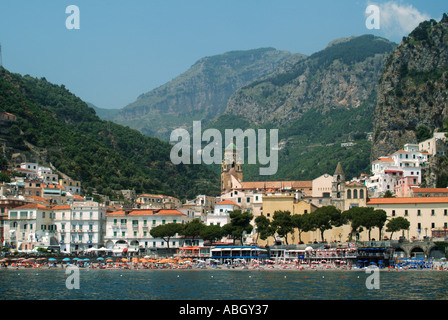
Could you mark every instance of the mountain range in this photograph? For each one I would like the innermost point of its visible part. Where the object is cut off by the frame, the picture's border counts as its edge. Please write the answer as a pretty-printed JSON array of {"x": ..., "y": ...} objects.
[
  {"x": 200, "y": 93},
  {"x": 317, "y": 102}
]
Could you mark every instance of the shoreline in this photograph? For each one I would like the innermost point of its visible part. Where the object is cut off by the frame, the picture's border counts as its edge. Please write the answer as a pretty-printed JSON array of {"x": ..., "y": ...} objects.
[{"x": 221, "y": 268}]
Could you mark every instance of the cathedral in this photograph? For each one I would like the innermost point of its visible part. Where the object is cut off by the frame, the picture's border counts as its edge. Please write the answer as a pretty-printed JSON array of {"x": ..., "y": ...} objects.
[{"x": 342, "y": 194}]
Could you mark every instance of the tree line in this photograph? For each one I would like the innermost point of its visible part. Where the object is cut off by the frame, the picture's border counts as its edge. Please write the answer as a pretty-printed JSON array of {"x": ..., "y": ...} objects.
[
  {"x": 284, "y": 223},
  {"x": 325, "y": 218}
]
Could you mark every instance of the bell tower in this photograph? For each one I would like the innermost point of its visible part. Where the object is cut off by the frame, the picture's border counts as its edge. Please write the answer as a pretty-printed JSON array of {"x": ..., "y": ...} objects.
[
  {"x": 338, "y": 188},
  {"x": 231, "y": 169}
]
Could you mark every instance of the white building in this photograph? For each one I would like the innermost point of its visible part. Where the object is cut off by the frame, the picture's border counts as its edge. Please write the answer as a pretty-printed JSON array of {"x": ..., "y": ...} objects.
[
  {"x": 130, "y": 230},
  {"x": 221, "y": 215},
  {"x": 80, "y": 226},
  {"x": 30, "y": 226},
  {"x": 388, "y": 173},
  {"x": 46, "y": 175}
]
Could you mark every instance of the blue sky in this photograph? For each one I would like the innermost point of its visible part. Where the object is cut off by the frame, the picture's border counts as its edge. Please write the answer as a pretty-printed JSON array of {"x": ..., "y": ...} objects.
[{"x": 125, "y": 48}]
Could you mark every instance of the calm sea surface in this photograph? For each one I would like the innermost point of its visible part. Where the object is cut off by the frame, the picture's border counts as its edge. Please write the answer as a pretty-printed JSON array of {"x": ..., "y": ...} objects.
[{"x": 32, "y": 284}]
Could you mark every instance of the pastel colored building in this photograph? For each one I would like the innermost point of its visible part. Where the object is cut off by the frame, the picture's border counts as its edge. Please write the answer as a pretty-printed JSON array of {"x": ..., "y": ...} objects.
[{"x": 423, "y": 213}]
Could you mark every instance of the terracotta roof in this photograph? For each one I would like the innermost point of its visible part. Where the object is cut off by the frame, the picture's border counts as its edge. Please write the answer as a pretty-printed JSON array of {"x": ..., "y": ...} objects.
[
  {"x": 137, "y": 212},
  {"x": 277, "y": 184},
  {"x": 54, "y": 186},
  {"x": 40, "y": 199},
  {"x": 384, "y": 160},
  {"x": 407, "y": 200},
  {"x": 430, "y": 190},
  {"x": 400, "y": 151},
  {"x": 226, "y": 202},
  {"x": 169, "y": 212},
  {"x": 64, "y": 207},
  {"x": 32, "y": 206}
]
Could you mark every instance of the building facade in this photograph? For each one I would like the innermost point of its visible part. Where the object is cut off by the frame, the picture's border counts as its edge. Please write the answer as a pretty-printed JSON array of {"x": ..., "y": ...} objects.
[
  {"x": 130, "y": 230},
  {"x": 423, "y": 213}
]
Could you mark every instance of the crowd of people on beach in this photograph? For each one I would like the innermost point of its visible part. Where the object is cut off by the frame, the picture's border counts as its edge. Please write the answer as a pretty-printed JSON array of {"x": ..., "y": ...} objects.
[{"x": 188, "y": 264}]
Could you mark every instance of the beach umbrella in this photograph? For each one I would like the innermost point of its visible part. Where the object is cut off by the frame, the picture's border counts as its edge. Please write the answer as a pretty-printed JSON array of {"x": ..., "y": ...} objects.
[
  {"x": 52, "y": 259},
  {"x": 66, "y": 259},
  {"x": 99, "y": 258}
]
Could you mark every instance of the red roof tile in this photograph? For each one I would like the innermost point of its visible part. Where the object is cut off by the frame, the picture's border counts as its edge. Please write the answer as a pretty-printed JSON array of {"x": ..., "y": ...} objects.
[{"x": 407, "y": 200}]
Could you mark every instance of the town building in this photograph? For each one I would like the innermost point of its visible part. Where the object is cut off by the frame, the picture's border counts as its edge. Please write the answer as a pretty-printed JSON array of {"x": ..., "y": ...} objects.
[
  {"x": 7, "y": 204},
  {"x": 199, "y": 207},
  {"x": 156, "y": 201},
  {"x": 80, "y": 226},
  {"x": 423, "y": 213},
  {"x": 72, "y": 186},
  {"x": 221, "y": 214},
  {"x": 30, "y": 226},
  {"x": 8, "y": 117},
  {"x": 397, "y": 173},
  {"x": 130, "y": 230},
  {"x": 430, "y": 192},
  {"x": 435, "y": 146}
]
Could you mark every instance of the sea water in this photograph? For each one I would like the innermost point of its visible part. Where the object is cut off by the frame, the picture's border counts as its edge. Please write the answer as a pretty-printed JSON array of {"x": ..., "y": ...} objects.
[{"x": 35, "y": 284}]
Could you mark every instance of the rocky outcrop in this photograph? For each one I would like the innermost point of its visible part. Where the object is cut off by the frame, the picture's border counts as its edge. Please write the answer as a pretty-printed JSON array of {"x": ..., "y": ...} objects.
[
  {"x": 413, "y": 89},
  {"x": 343, "y": 75}
]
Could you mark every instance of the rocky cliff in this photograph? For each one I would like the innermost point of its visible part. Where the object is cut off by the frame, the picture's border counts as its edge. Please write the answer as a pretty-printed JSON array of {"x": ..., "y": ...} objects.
[
  {"x": 201, "y": 93},
  {"x": 413, "y": 88},
  {"x": 342, "y": 76}
]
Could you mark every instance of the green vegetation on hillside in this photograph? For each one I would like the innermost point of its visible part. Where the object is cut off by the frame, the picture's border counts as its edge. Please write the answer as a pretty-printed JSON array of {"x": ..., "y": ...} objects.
[{"x": 103, "y": 155}]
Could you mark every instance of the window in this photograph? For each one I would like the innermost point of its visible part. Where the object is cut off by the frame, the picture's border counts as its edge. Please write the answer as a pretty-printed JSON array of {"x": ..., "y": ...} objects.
[
  {"x": 393, "y": 213},
  {"x": 432, "y": 212},
  {"x": 405, "y": 213},
  {"x": 419, "y": 213},
  {"x": 349, "y": 194},
  {"x": 355, "y": 194},
  {"x": 445, "y": 212},
  {"x": 361, "y": 194}
]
